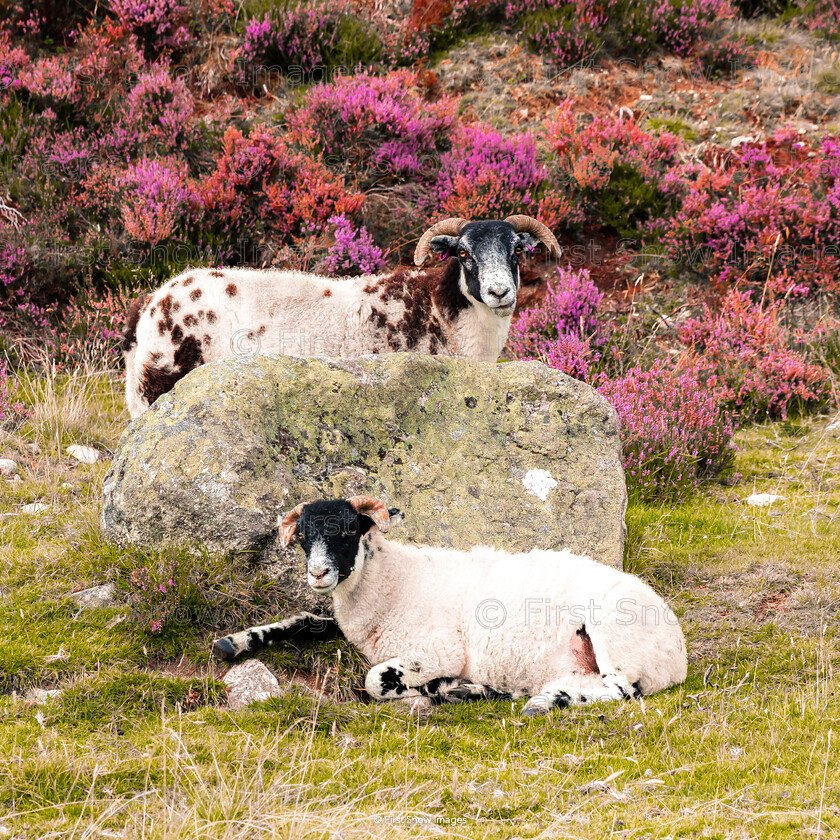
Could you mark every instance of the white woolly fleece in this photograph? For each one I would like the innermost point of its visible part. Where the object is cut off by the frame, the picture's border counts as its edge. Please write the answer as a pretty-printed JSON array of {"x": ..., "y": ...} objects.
[{"x": 507, "y": 621}]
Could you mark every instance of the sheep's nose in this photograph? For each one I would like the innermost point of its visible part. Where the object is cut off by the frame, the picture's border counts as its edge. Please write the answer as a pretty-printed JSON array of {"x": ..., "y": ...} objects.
[
  {"x": 320, "y": 576},
  {"x": 498, "y": 293}
]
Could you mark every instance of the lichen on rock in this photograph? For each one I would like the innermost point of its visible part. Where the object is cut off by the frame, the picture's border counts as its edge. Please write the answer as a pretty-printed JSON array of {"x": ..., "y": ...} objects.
[{"x": 449, "y": 441}]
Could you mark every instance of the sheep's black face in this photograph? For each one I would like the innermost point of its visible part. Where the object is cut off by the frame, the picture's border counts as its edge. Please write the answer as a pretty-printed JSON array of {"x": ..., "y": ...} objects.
[
  {"x": 489, "y": 254},
  {"x": 330, "y": 533}
]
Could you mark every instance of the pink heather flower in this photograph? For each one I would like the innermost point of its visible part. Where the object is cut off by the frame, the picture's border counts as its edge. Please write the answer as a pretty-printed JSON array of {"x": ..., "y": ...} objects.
[
  {"x": 158, "y": 110},
  {"x": 673, "y": 430},
  {"x": 353, "y": 251},
  {"x": 567, "y": 312},
  {"x": 156, "y": 199}
]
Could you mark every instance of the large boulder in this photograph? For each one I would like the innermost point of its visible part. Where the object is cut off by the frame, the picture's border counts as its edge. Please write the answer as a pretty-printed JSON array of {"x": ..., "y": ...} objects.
[{"x": 514, "y": 455}]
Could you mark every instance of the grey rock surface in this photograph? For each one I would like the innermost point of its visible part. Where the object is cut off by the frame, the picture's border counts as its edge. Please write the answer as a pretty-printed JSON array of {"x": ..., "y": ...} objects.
[
  {"x": 249, "y": 682},
  {"x": 513, "y": 455},
  {"x": 96, "y": 597}
]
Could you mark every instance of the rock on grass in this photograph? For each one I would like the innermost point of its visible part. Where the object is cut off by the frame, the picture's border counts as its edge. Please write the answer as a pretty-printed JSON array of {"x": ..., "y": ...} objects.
[{"x": 514, "y": 455}]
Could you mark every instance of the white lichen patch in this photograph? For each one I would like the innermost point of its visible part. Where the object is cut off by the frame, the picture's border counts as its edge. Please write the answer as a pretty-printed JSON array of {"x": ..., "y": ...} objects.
[{"x": 539, "y": 483}]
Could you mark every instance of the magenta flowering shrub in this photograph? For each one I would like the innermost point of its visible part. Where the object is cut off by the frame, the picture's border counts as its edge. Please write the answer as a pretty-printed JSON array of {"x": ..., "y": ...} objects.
[
  {"x": 13, "y": 61},
  {"x": 15, "y": 268},
  {"x": 725, "y": 57},
  {"x": 822, "y": 16},
  {"x": 750, "y": 359},
  {"x": 263, "y": 188},
  {"x": 573, "y": 355},
  {"x": 353, "y": 252},
  {"x": 12, "y": 414},
  {"x": 87, "y": 331},
  {"x": 51, "y": 83},
  {"x": 374, "y": 126},
  {"x": 770, "y": 215},
  {"x": 289, "y": 38},
  {"x": 679, "y": 24},
  {"x": 615, "y": 174},
  {"x": 157, "y": 199},
  {"x": 561, "y": 326},
  {"x": 157, "y": 24},
  {"x": 567, "y": 33},
  {"x": 158, "y": 111},
  {"x": 488, "y": 175},
  {"x": 674, "y": 431},
  {"x": 154, "y": 596}
]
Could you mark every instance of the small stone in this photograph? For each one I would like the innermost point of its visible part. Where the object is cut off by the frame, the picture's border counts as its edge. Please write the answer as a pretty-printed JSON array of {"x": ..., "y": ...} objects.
[
  {"x": 763, "y": 499},
  {"x": 742, "y": 140},
  {"x": 35, "y": 507},
  {"x": 8, "y": 466},
  {"x": 96, "y": 597},
  {"x": 85, "y": 454},
  {"x": 249, "y": 682},
  {"x": 37, "y": 696}
]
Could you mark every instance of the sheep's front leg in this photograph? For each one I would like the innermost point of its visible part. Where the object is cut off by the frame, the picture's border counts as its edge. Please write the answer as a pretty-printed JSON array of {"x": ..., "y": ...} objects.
[
  {"x": 457, "y": 690},
  {"x": 577, "y": 689},
  {"x": 394, "y": 679},
  {"x": 298, "y": 627}
]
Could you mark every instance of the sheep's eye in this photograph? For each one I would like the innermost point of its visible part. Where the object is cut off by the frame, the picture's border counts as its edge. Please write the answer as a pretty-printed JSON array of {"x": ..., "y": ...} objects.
[
  {"x": 462, "y": 254},
  {"x": 517, "y": 249},
  {"x": 352, "y": 529}
]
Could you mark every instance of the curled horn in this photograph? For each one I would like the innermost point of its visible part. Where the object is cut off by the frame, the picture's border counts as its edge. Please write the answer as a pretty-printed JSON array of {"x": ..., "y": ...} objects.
[
  {"x": 448, "y": 227},
  {"x": 525, "y": 224},
  {"x": 374, "y": 509},
  {"x": 287, "y": 525}
]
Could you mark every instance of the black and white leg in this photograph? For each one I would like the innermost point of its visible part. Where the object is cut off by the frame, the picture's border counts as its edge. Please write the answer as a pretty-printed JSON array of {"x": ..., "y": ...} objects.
[
  {"x": 394, "y": 679},
  {"x": 300, "y": 627},
  {"x": 456, "y": 690},
  {"x": 577, "y": 689}
]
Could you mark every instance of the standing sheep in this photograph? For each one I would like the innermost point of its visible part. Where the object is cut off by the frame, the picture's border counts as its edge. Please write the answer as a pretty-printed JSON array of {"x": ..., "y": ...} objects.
[
  {"x": 463, "y": 308},
  {"x": 553, "y": 626}
]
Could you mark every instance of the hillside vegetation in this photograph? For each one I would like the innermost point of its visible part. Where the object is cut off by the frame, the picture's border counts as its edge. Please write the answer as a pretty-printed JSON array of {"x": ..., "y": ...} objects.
[{"x": 686, "y": 153}]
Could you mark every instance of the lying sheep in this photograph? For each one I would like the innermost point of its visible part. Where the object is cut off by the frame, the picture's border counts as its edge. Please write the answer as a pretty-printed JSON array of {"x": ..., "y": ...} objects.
[
  {"x": 553, "y": 626},
  {"x": 462, "y": 308}
]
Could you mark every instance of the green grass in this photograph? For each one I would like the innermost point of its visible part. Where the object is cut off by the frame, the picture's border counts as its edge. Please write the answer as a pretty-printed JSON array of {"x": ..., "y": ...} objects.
[
  {"x": 829, "y": 80},
  {"x": 673, "y": 125},
  {"x": 141, "y": 744}
]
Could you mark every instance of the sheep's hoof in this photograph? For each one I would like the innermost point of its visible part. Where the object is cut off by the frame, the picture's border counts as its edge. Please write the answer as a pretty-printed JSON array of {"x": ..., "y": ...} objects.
[
  {"x": 224, "y": 649},
  {"x": 534, "y": 707}
]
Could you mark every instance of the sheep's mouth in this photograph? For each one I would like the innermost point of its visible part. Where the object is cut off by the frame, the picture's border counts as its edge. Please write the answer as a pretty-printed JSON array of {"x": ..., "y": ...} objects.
[
  {"x": 322, "y": 587},
  {"x": 503, "y": 311}
]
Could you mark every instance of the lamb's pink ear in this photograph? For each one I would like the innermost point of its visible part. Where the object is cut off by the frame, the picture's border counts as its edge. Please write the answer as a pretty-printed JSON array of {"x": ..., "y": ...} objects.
[
  {"x": 374, "y": 509},
  {"x": 287, "y": 525}
]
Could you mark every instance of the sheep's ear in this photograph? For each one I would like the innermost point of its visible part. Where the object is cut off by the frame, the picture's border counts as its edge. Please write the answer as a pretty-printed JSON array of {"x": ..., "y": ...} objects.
[
  {"x": 395, "y": 516},
  {"x": 287, "y": 526},
  {"x": 529, "y": 241},
  {"x": 443, "y": 244},
  {"x": 373, "y": 508}
]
